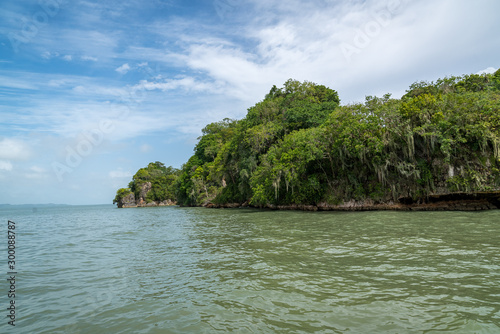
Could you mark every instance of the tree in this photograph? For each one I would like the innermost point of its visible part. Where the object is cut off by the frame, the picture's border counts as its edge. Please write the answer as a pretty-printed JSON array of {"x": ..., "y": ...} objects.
[
  {"x": 299, "y": 146},
  {"x": 162, "y": 179},
  {"x": 120, "y": 194}
]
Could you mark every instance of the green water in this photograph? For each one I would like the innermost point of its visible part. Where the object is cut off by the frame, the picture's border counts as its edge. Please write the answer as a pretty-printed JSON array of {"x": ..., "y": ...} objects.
[{"x": 98, "y": 269}]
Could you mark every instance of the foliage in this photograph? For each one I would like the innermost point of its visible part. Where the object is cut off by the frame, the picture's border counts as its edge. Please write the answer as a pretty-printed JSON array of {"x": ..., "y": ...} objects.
[
  {"x": 299, "y": 146},
  {"x": 120, "y": 194},
  {"x": 162, "y": 179},
  {"x": 229, "y": 152}
]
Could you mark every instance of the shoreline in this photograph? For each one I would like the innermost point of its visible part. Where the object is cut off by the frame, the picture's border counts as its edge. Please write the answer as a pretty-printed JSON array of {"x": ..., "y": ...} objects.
[
  {"x": 458, "y": 201},
  {"x": 447, "y": 202}
]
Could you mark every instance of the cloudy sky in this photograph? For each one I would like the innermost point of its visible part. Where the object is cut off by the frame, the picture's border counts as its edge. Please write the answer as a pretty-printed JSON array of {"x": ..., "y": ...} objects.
[{"x": 91, "y": 91}]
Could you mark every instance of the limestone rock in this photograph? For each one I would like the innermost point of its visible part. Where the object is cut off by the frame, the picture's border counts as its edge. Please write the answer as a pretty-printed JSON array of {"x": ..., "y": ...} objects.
[
  {"x": 127, "y": 201},
  {"x": 130, "y": 201}
]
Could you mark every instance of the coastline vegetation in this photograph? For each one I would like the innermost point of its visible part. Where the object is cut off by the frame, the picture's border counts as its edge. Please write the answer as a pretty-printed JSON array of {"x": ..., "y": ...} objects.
[
  {"x": 157, "y": 182},
  {"x": 300, "y": 146}
]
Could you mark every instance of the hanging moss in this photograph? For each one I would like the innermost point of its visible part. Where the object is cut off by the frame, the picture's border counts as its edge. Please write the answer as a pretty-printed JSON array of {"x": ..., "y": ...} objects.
[{"x": 299, "y": 146}]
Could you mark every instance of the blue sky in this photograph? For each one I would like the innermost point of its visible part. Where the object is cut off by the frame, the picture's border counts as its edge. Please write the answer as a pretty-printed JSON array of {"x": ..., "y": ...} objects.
[{"x": 91, "y": 91}]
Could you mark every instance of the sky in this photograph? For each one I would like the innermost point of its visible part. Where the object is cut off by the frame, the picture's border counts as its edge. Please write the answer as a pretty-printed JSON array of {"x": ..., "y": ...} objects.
[{"x": 91, "y": 91}]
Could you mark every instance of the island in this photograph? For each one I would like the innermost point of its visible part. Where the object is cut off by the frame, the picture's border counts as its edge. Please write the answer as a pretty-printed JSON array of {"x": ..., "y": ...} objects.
[{"x": 435, "y": 148}]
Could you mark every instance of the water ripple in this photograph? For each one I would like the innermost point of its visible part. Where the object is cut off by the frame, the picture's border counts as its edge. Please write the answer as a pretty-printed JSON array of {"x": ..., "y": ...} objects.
[{"x": 98, "y": 269}]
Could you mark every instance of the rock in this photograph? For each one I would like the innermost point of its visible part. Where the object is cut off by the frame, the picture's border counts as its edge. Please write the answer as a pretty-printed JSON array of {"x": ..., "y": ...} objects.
[
  {"x": 130, "y": 201},
  {"x": 145, "y": 188},
  {"x": 127, "y": 201},
  {"x": 167, "y": 202}
]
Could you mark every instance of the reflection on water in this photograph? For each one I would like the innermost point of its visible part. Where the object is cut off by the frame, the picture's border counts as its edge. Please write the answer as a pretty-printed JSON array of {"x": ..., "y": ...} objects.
[{"x": 98, "y": 269}]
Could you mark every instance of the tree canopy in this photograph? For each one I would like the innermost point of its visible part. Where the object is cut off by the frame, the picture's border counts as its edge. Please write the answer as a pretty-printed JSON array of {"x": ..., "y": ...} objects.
[
  {"x": 300, "y": 146},
  {"x": 162, "y": 179}
]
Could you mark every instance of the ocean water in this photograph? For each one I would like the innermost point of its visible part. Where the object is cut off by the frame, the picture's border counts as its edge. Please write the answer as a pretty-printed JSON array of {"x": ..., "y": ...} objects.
[{"x": 99, "y": 269}]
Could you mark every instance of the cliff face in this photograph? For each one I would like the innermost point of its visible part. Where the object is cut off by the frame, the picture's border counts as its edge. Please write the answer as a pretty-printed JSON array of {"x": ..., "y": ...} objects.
[
  {"x": 127, "y": 201},
  {"x": 130, "y": 201},
  {"x": 448, "y": 202}
]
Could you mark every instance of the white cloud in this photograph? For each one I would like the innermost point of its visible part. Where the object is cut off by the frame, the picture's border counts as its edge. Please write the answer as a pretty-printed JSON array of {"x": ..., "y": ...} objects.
[
  {"x": 187, "y": 83},
  {"x": 115, "y": 174},
  {"x": 49, "y": 55},
  {"x": 36, "y": 173},
  {"x": 488, "y": 70},
  {"x": 131, "y": 112},
  {"x": 13, "y": 149},
  {"x": 5, "y": 165},
  {"x": 238, "y": 72},
  {"x": 123, "y": 69},
  {"x": 16, "y": 80},
  {"x": 88, "y": 58},
  {"x": 76, "y": 40},
  {"x": 37, "y": 169},
  {"x": 394, "y": 41},
  {"x": 59, "y": 82}
]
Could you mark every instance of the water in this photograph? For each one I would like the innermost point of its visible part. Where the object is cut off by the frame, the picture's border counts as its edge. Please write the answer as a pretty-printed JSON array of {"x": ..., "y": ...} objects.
[{"x": 98, "y": 269}]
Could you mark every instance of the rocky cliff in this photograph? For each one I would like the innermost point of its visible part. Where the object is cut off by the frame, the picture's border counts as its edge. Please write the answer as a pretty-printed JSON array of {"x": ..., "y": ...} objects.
[
  {"x": 450, "y": 202},
  {"x": 130, "y": 201}
]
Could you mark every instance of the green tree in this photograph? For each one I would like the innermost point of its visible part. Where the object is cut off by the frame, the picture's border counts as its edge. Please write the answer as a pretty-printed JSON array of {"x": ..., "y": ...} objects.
[
  {"x": 163, "y": 182},
  {"x": 299, "y": 146},
  {"x": 120, "y": 194}
]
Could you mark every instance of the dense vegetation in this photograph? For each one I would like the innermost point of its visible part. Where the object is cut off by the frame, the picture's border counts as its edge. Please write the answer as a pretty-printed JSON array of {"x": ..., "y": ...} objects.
[
  {"x": 161, "y": 181},
  {"x": 299, "y": 146}
]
